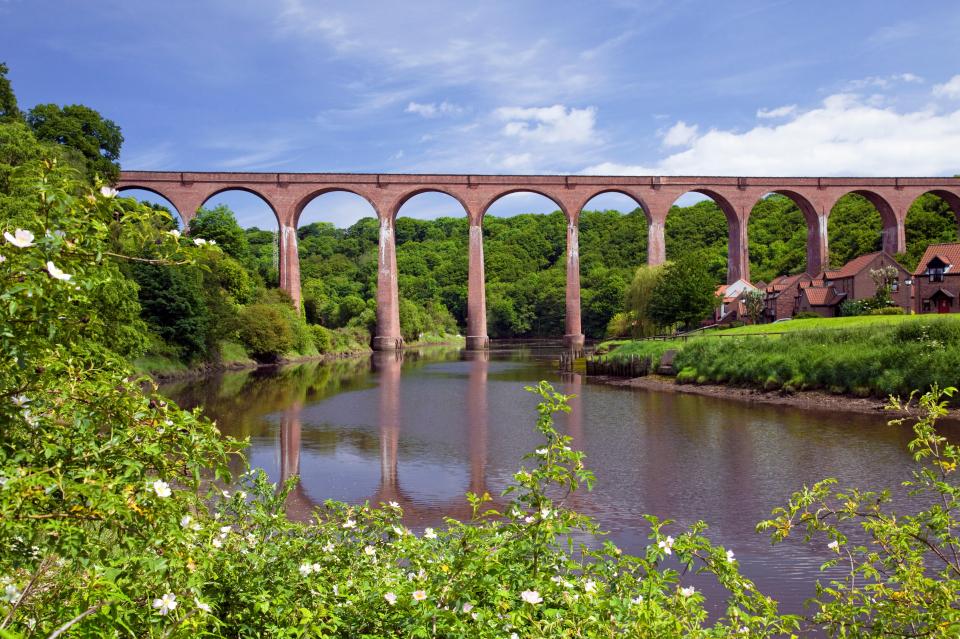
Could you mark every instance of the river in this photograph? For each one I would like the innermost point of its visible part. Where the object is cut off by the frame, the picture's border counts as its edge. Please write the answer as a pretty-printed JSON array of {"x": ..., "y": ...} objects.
[{"x": 423, "y": 427}]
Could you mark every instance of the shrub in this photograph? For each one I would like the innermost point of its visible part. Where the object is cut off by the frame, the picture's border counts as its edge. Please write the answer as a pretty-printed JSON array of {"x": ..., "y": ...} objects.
[
  {"x": 322, "y": 338},
  {"x": 265, "y": 331},
  {"x": 888, "y": 310},
  {"x": 806, "y": 315}
]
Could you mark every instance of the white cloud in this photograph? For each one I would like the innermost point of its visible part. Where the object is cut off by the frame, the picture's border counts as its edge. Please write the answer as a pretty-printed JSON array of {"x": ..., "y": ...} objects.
[
  {"x": 433, "y": 110},
  {"x": 845, "y": 135},
  {"x": 551, "y": 125},
  {"x": 779, "y": 112},
  {"x": 680, "y": 134},
  {"x": 949, "y": 89},
  {"x": 883, "y": 82},
  {"x": 517, "y": 162}
]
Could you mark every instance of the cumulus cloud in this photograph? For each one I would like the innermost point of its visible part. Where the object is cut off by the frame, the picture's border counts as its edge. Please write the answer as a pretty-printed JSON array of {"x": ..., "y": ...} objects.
[
  {"x": 779, "y": 112},
  {"x": 433, "y": 110},
  {"x": 551, "y": 125},
  {"x": 680, "y": 134},
  {"x": 845, "y": 135},
  {"x": 949, "y": 89}
]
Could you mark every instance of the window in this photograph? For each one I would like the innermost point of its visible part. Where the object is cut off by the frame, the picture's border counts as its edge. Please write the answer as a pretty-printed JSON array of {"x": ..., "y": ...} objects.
[
  {"x": 935, "y": 273},
  {"x": 926, "y": 305}
]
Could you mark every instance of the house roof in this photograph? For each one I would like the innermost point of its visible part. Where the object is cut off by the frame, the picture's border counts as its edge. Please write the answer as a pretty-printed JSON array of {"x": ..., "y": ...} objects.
[
  {"x": 853, "y": 267},
  {"x": 948, "y": 254},
  {"x": 784, "y": 281},
  {"x": 823, "y": 295},
  {"x": 940, "y": 291}
]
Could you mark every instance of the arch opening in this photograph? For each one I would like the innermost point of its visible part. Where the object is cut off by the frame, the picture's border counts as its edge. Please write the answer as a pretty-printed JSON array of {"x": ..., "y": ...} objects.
[
  {"x": 780, "y": 227},
  {"x": 933, "y": 218},
  {"x": 156, "y": 200},
  {"x": 613, "y": 230},
  {"x": 338, "y": 234},
  {"x": 245, "y": 226},
  {"x": 432, "y": 240},
  {"x": 856, "y": 226},
  {"x": 701, "y": 222},
  {"x": 525, "y": 239}
]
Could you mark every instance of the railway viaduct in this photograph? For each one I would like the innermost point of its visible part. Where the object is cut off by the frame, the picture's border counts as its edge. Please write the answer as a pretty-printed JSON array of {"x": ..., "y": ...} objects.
[{"x": 287, "y": 194}]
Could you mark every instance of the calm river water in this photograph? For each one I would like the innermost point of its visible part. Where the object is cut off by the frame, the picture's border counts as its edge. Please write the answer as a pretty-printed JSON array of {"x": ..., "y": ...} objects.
[{"x": 427, "y": 426}]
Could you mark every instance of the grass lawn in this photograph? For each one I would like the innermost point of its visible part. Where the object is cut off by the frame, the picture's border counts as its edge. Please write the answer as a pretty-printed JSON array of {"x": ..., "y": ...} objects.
[{"x": 824, "y": 323}]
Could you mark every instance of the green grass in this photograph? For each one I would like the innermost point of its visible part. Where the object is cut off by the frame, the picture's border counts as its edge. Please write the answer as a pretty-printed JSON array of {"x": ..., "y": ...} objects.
[
  {"x": 820, "y": 323},
  {"x": 157, "y": 364},
  {"x": 876, "y": 355}
]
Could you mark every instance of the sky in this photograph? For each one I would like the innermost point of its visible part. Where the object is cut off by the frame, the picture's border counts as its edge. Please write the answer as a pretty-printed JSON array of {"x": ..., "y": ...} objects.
[{"x": 624, "y": 87}]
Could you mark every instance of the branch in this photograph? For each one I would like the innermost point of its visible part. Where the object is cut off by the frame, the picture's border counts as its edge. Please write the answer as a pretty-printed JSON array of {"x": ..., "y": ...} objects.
[{"x": 86, "y": 613}]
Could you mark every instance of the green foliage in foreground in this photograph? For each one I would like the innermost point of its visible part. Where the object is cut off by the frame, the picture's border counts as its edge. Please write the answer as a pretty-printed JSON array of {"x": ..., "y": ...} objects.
[{"x": 112, "y": 521}]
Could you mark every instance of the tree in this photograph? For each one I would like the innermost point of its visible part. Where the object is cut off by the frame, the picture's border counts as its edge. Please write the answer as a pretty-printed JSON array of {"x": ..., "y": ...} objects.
[
  {"x": 684, "y": 294},
  {"x": 754, "y": 301},
  {"x": 220, "y": 225},
  {"x": 95, "y": 139},
  {"x": 9, "y": 111},
  {"x": 883, "y": 278},
  {"x": 637, "y": 302}
]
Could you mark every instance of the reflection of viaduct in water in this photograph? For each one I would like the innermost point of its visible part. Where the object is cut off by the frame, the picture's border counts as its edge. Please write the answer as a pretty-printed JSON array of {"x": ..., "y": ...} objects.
[
  {"x": 287, "y": 194},
  {"x": 388, "y": 366}
]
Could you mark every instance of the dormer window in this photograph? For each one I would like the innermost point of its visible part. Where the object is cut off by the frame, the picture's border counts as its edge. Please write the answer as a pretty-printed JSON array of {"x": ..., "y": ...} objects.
[{"x": 935, "y": 269}]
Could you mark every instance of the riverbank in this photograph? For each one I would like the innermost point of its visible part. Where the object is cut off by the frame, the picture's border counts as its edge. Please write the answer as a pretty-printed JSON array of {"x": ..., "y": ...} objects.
[
  {"x": 164, "y": 369},
  {"x": 869, "y": 362},
  {"x": 807, "y": 400}
]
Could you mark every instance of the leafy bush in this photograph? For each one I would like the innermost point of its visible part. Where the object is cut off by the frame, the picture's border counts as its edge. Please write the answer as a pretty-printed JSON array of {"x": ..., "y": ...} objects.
[
  {"x": 265, "y": 331},
  {"x": 322, "y": 338},
  {"x": 806, "y": 315}
]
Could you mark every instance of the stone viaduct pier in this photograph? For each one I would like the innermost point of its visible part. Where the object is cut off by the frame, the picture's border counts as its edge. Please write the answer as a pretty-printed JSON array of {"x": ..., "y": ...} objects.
[{"x": 288, "y": 194}]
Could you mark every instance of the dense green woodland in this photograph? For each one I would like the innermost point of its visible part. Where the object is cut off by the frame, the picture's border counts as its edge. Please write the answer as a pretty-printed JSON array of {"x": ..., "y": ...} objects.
[{"x": 227, "y": 307}]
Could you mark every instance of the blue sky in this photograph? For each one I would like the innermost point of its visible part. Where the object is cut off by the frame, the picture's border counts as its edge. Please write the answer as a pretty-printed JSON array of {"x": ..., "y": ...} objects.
[{"x": 621, "y": 87}]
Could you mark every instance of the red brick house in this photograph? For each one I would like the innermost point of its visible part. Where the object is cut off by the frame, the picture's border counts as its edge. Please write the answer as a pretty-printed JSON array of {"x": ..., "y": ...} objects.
[
  {"x": 824, "y": 294},
  {"x": 781, "y": 296},
  {"x": 937, "y": 280}
]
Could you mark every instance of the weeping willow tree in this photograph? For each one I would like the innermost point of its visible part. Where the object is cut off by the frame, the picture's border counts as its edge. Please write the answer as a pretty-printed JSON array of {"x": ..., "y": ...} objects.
[{"x": 635, "y": 320}]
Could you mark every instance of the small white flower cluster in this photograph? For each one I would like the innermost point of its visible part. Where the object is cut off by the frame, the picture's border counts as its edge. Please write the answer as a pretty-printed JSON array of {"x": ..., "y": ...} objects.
[
  {"x": 11, "y": 594},
  {"x": 428, "y": 533},
  {"x": 23, "y": 238},
  {"x": 199, "y": 241},
  {"x": 307, "y": 569}
]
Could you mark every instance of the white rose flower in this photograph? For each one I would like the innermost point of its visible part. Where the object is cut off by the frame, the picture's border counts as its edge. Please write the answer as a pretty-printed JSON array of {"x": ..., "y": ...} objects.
[
  {"x": 106, "y": 191},
  {"x": 531, "y": 596},
  {"x": 175, "y": 233},
  {"x": 162, "y": 489},
  {"x": 21, "y": 238},
  {"x": 730, "y": 557},
  {"x": 688, "y": 591},
  {"x": 391, "y": 598},
  {"x": 199, "y": 241},
  {"x": 834, "y": 546},
  {"x": 348, "y": 524},
  {"x": 166, "y": 603},
  {"x": 666, "y": 545},
  {"x": 56, "y": 273},
  {"x": 203, "y": 607},
  {"x": 428, "y": 533},
  {"x": 419, "y": 595}
]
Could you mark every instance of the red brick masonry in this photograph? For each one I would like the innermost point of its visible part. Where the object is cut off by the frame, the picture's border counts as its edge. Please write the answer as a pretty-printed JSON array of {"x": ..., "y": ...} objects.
[{"x": 288, "y": 193}]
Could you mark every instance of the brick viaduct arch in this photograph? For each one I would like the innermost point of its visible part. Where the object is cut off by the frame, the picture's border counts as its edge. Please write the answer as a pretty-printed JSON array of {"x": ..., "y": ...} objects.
[{"x": 288, "y": 193}]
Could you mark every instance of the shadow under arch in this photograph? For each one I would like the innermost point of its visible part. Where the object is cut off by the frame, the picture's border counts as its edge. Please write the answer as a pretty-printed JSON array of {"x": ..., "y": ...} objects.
[
  {"x": 305, "y": 201},
  {"x": 167, "y": 201}
]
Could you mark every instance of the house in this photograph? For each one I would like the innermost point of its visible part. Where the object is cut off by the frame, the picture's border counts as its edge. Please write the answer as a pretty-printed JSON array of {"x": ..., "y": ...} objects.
[
  {"x": 731, "y": 297},
  {"x": 780, "y": 300},
  {"x": 852, "y": 281},
  {"x": 937, "y": 279}
]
